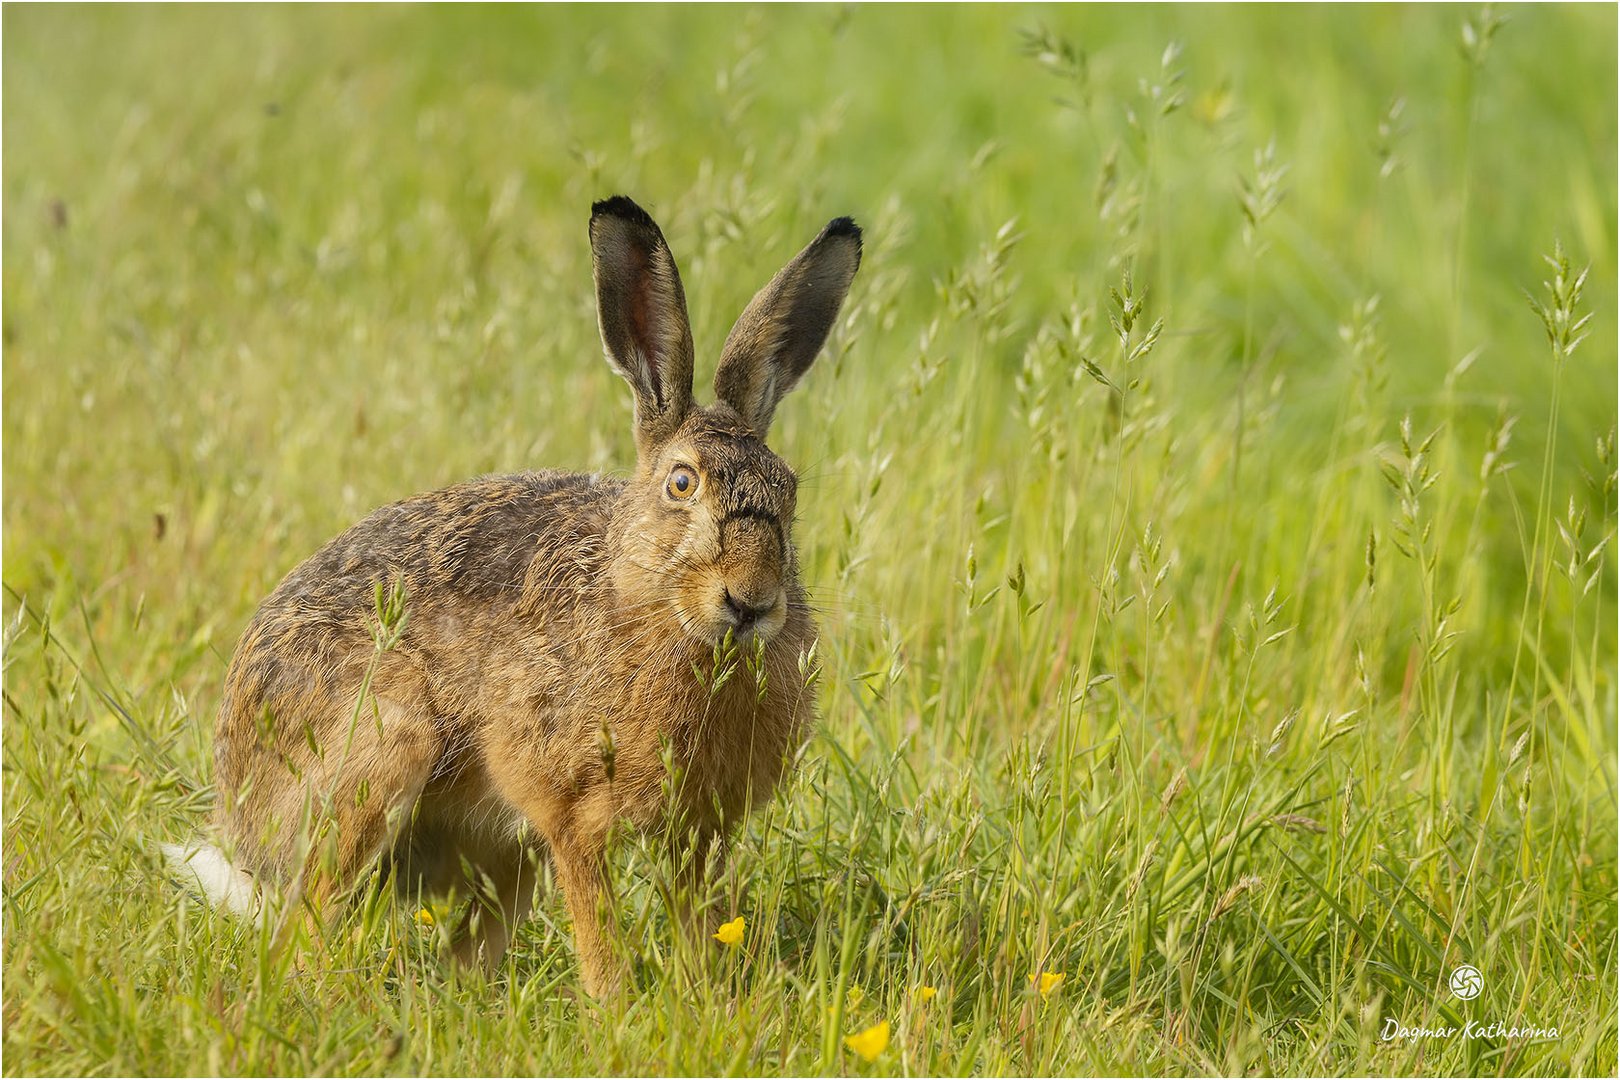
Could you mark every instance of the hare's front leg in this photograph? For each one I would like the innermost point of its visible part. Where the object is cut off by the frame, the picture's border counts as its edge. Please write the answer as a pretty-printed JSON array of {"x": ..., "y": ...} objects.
[
  {"x": 580, "y": 860},
  {"x": 574, "y": 820},
  {"x": 503, "y": 894},
  {"x": 697, "y": 859}
]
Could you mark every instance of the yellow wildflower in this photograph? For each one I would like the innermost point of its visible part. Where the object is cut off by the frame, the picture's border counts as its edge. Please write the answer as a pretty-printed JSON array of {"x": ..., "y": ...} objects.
[
  {"x": 871, "y": 1042},
  {"x": 1047, "y": 982},
  {"x": 926, "y": 992},
  {"x": 731, "y": 933},
  {"x": 432, "y": 913}
]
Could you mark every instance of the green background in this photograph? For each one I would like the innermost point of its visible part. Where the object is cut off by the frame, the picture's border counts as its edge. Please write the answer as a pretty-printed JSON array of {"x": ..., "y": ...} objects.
[{"x": 267, "y": 268}]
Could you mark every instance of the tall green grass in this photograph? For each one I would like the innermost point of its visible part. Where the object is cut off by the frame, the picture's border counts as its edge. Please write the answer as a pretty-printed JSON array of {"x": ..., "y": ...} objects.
[{"x": 1215, "y": 548}]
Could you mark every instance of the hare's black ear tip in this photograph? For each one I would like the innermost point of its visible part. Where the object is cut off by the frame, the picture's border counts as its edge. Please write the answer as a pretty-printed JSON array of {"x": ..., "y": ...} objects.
[
  {"x": 621, "y": 206},
  {"x": 844, "y": 226}
]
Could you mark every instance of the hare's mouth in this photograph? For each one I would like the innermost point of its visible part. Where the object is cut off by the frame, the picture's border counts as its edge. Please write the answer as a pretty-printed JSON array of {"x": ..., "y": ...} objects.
[{"x": 745, "y": 617}]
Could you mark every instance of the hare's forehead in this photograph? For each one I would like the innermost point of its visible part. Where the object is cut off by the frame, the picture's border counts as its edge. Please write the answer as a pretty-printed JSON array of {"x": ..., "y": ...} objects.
[{"x": 740, "y": 462}]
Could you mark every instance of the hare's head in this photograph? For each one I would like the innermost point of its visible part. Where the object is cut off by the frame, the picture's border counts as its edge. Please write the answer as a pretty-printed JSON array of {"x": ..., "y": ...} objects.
[{"x": 706, "y": 528}]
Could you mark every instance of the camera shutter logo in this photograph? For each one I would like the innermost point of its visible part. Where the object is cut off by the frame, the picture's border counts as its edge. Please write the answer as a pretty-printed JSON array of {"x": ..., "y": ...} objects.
[{"x": 1467, "y": 982}]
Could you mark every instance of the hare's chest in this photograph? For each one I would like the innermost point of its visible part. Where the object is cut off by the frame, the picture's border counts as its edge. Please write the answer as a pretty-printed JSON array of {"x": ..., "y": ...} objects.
[{"x": 732, "y": 758}]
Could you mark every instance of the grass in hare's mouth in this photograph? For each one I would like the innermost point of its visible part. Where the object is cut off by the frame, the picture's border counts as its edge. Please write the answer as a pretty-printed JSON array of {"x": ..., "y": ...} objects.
[{"x": 1240, "y": 647}]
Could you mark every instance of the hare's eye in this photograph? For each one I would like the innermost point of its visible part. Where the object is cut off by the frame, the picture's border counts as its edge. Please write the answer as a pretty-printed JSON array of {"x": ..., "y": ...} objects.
[{"x": 682, "y": 482}]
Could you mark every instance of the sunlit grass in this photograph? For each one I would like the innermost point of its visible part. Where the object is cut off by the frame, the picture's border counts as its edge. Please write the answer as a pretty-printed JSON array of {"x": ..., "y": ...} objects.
[{"x": 1215, "y": 549}]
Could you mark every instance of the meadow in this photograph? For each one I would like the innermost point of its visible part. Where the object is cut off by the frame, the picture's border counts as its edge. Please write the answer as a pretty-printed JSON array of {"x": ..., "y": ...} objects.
[{"x": 1209, "y": 492}]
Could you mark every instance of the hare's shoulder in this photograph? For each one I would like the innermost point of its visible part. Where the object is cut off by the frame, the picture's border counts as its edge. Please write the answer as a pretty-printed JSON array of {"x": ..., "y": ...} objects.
[{"x": 474, "y": 540}]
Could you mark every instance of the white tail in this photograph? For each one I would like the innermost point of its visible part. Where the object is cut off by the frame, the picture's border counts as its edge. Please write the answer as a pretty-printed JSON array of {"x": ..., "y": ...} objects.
[{"x": 208, "y": 869}]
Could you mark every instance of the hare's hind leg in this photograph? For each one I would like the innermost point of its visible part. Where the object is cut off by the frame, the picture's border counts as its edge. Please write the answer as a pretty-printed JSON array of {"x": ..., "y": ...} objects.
[{"x": 359, "y": 798}]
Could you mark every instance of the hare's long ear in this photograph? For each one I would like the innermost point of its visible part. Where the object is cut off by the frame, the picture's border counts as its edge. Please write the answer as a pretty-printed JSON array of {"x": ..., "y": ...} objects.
[
  {"x": 786, "y": 324},
  {"x": 641, "y": 308}
]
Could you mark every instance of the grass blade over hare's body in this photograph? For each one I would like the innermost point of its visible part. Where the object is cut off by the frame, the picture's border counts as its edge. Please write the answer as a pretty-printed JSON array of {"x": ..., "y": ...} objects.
[{"x": 548, "y": 677}]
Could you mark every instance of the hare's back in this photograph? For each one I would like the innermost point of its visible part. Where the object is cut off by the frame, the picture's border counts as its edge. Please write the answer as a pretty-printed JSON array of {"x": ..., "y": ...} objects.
[
  {"x": 463, "y": 555},
  {"x": 473, "y": 542}
]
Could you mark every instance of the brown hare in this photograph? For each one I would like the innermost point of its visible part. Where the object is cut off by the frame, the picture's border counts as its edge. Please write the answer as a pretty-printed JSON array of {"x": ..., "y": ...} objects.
[{"x": 548, "y": 681}]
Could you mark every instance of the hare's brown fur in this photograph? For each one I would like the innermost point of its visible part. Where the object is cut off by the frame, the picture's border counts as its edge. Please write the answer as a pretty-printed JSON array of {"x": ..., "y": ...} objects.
[{"x": 545, "y": 687}]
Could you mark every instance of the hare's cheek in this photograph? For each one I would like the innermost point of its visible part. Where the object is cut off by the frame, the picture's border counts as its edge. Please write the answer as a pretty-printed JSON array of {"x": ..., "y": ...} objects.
[
  {"x": 665, "y": 541},
  {"x": 701, "y": 544}
]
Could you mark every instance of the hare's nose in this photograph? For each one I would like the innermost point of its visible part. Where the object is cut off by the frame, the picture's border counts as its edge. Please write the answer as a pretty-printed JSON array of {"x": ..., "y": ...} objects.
[{"x": 745, "y": 613}]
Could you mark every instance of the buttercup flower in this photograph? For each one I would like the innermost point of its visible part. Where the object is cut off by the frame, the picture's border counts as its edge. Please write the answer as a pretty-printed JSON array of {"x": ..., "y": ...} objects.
[
  {"x": 871, "y": 1042},
  {"x": 1047, "y": 982},
  {"x": 926, "y": 992},
  {"x": 731, "y": 933}
]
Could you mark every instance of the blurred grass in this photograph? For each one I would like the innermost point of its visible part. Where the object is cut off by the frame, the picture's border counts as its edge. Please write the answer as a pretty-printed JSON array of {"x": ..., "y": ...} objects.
[{"x": 266, "y": 268}]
